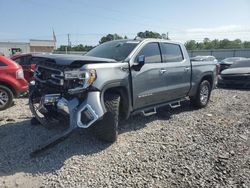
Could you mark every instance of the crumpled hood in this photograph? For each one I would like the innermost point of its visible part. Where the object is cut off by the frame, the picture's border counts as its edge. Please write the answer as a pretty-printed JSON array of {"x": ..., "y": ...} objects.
[
  {"x": 242, "y": 70},
  {"x": 77, "y": 60}
]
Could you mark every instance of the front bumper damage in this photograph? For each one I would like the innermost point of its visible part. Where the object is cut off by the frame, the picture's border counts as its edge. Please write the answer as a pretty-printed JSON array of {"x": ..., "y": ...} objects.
[{"x": 82, "y": 114}]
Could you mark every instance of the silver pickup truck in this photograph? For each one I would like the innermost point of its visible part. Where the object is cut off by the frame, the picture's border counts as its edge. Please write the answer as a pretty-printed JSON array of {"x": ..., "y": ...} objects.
[{"x": 115, "y": 80}]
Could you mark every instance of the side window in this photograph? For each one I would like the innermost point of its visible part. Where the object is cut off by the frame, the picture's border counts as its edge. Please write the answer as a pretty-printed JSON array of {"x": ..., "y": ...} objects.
[
  {"x": 151, "y": 52},
  {"x": 18, "y": 60},
  {"x": 23, "y": 61},
  {"x": 27, "y": 60},
  {"x": 2, "y": 64},
  {"x": 171, "y": 52},
  {"x": 35, "y": 60}
]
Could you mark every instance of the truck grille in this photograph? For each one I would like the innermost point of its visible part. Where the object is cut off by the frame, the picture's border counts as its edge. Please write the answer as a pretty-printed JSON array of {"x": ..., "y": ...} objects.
[{"x": 47, "y": 74}]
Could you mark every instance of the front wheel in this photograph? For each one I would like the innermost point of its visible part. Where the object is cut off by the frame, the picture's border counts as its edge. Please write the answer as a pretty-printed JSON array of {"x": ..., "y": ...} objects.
[
  {"x": 6, "y": 97},
  {"x": 107, "y": 128},
  {"x": 202, "y": 96}
]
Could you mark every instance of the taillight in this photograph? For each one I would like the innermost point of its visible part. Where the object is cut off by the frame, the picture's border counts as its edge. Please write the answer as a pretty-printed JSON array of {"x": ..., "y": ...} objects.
[{"x": 19, "y": 74}]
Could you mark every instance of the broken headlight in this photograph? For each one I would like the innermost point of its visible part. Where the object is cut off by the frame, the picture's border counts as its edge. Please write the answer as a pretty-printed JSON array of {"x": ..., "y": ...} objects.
[{"x": 84, "y": 77}]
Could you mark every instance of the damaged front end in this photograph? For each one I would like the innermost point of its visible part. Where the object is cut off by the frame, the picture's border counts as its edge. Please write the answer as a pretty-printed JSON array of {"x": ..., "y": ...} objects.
[{"x": 63, "y": 95}]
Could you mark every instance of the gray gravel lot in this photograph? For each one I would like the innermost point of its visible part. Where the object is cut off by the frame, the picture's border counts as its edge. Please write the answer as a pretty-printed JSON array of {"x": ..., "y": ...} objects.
[{"x": 187, "y": 148}]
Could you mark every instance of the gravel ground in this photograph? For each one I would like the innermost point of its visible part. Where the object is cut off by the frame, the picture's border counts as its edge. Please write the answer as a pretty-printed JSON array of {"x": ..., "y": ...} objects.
[{"x": 188, "y": 148}]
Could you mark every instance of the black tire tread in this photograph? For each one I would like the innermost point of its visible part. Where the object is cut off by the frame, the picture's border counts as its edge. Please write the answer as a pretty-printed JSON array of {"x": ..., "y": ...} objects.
[
  {"x": 195, "y": 101},
  {"x": 10, "y": 95},
  {"x": 107, "y": 128}
]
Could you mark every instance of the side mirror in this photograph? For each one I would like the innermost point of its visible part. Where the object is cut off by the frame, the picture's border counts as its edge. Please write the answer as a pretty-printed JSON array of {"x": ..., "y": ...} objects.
[{"x": 141, "y": 60}]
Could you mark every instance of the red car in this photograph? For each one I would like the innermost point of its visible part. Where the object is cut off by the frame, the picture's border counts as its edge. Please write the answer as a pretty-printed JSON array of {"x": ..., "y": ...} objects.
[
  {"x": 27, "y": 63},
  {"x": 12, "y": 82}
]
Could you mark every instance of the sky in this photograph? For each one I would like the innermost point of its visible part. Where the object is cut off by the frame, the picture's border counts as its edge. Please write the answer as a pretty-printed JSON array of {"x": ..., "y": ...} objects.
[{"x": 86, "y": 21}]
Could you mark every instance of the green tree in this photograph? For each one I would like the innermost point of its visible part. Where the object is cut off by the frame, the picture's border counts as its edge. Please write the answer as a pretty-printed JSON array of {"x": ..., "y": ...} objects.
[
  {"x": 236, "y": 44},
  {"x": 63, "y": 48},
  {"x": 190, "y": 45},
  {"x": 149, "y": 34},
  {"x": 79, "y": 47},
  {"x": 215, "y": 44},
  {"x": 225, "y": 43},
  {"x": 246, "y": 44},
  {"x": 110, "y": 37}
]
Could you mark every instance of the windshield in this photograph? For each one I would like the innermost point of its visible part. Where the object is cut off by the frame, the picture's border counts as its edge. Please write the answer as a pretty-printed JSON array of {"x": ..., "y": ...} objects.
[
  {"x": 117, "y": 50},
  {"x": 244, "y": 63}
]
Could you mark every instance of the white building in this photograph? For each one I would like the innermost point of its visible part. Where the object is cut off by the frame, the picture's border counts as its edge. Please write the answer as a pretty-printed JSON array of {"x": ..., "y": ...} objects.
[{"x": 10, "y": 48}]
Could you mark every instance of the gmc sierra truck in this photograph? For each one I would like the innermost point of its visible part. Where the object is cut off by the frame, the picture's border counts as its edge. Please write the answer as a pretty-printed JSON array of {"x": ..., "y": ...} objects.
[{"x": 115, "y": 80}]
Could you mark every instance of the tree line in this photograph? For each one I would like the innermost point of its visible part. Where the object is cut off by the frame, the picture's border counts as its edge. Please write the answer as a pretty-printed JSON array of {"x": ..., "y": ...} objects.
[
  {"x": 216, "y": 44},
  {"x": 190, "y": 45}
]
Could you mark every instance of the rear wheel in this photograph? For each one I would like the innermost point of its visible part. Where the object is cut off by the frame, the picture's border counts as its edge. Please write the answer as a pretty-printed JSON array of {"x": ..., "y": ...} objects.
[
  {"x": 6, "y": 97},
  {"x": 107, "y": 128},
  {"x": 202, "y": 96}
]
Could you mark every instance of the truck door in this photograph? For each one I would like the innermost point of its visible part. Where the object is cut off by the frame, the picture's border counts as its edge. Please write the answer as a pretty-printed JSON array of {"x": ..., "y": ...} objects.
[
  {"x": 177, "y": 71},
  {"x": 148, "y": 81}
]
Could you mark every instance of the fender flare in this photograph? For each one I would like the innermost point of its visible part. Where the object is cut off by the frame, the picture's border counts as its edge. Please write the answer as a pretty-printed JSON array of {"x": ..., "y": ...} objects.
[{"x": 124, "y": 90}]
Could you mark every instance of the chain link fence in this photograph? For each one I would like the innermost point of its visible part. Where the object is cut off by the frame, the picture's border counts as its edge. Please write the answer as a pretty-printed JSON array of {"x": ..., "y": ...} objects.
[{"x": 221, "y": 53}]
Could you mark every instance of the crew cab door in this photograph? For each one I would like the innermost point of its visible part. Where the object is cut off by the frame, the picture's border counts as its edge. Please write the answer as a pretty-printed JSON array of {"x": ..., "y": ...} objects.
[
  {"x": 177, "y": 71},
  {"x": 148, "y": 80}
]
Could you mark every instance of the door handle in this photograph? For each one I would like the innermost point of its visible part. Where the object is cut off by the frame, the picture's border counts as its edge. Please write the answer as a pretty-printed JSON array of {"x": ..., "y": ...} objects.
[
  {"x": 186, "y": 69},
  {"x": 162, "y": 71}
]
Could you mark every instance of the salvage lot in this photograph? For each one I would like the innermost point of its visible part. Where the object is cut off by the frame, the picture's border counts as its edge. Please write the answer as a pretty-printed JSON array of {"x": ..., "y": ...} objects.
[{"x": 188, "y": 148}]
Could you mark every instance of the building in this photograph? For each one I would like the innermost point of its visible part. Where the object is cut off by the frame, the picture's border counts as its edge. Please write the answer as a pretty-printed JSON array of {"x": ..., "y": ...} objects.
[
  {"x": 10, "y": 48},
  {"x": 42, "y": 45}
]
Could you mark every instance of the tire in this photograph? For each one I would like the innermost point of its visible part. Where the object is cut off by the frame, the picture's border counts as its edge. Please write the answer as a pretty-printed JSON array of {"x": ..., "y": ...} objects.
[
  {"x": 107, "y": 128},
  {"x": 202, "y": 96},
  {"x": 6, "y": 97}
]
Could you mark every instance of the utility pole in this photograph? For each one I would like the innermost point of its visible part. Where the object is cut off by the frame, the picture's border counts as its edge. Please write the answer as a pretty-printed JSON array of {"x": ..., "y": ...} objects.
[{"x": 69, "y": 43}]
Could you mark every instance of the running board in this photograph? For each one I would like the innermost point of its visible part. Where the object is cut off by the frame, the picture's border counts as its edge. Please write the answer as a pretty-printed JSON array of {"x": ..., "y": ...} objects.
[
  {"x": 149, "y": 112},
  {"x": 175, "y": 105}
]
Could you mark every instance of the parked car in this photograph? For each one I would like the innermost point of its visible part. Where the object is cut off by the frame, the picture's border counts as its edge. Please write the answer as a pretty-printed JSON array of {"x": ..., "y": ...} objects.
[
  {"x": 115, "y": 80},
  {"x": 12, "y": 82},
  {"x": 27, "y": 62},
  {"x": 237, "y": 75},
  {"x": 204, "y": 58},
  {"x": 226, "y": 63}
]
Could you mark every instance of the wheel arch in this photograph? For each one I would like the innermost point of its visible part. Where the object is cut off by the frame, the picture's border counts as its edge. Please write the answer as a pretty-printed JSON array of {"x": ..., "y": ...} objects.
[
  {"x": 124, "y": 92},
  {"x": 209, "y": 78},
  {"x": 196, "y": 83},
  {"x": 10, "y": 87}
]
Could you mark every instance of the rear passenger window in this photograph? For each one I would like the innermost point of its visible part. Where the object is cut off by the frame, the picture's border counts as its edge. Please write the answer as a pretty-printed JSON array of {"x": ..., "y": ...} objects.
[
  {"x": 18, "y": 60},
  {"x": 151, "y": 52},
  {"x": 171, "y": 52},
  {"x": 36, "y": 60},
  {"x": 22, "y": 61},
  {"x": 2, "y": 64}
]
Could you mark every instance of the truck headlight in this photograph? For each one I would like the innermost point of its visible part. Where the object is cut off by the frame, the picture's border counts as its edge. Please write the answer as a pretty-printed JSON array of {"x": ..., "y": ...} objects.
[{"x": 85, "y": 77}]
